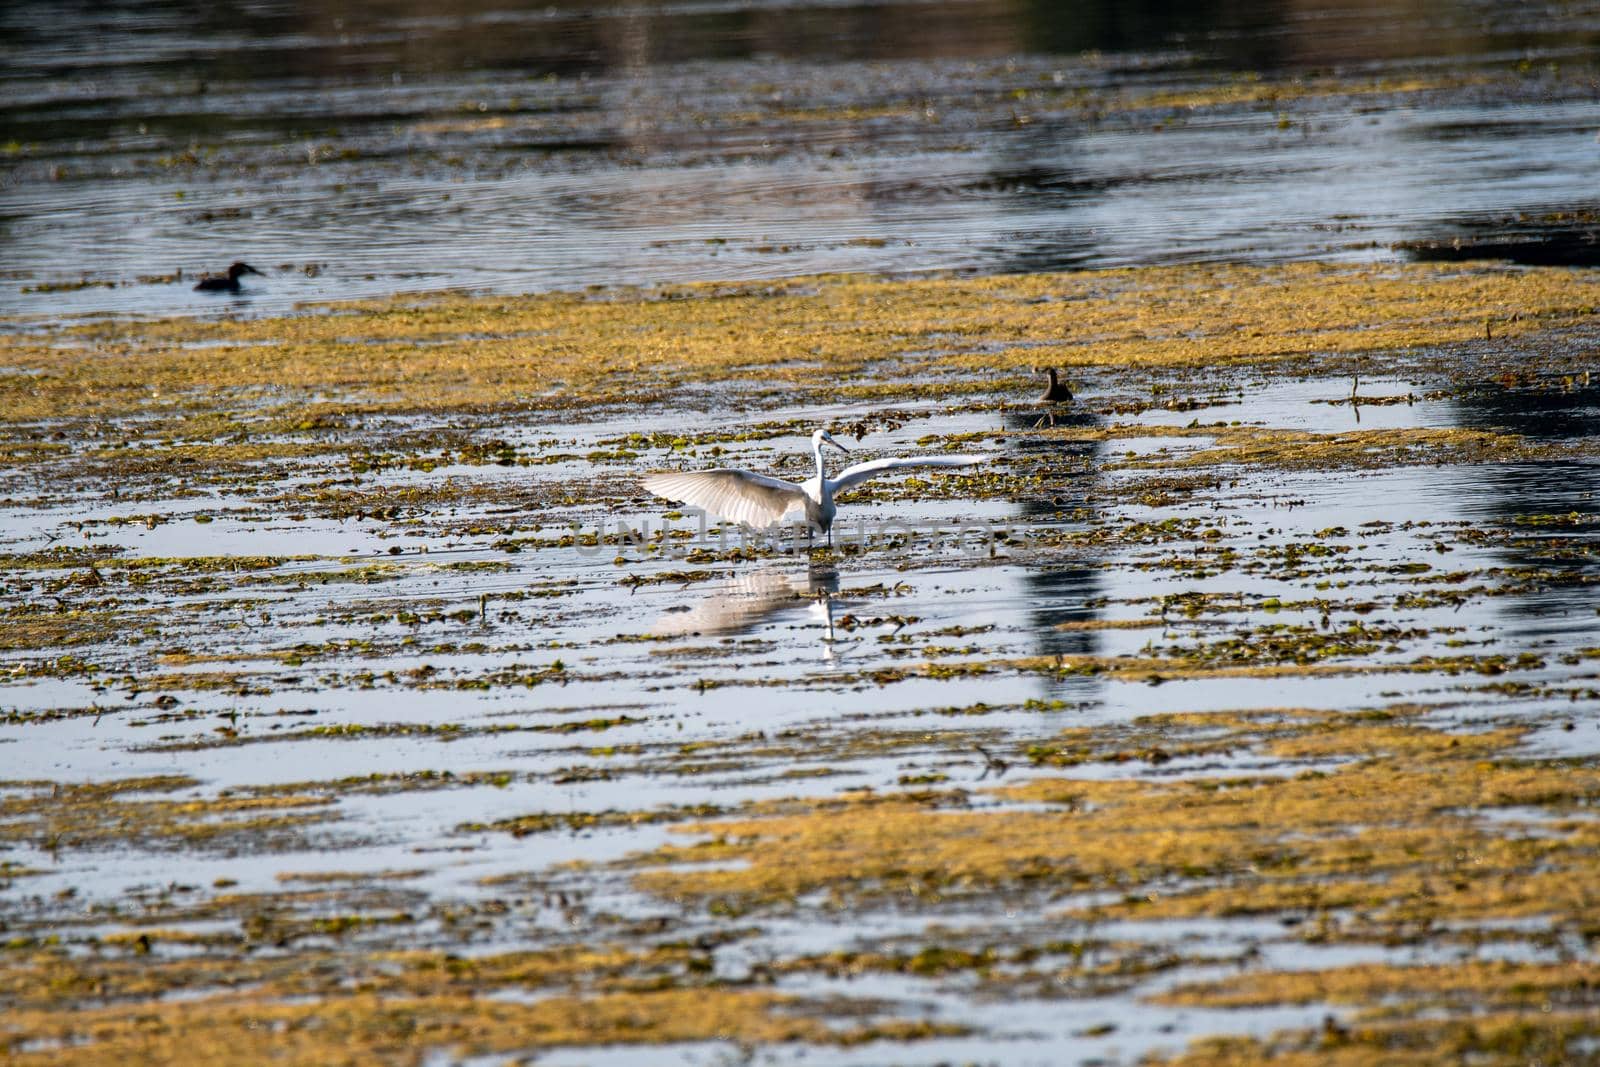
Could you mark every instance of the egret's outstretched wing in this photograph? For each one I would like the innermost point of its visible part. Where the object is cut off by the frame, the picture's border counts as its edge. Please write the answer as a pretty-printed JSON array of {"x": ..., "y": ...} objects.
[
  {"x": 873, "y": 467},
  {"x": 738, "y": 496}
]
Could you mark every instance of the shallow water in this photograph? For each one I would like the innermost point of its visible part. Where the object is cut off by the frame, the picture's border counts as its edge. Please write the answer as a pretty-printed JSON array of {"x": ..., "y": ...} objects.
[
  {"x": 298, "y": 623},
  {"x": 771, "y": 648},
  {"x": 364, "y": 149}
]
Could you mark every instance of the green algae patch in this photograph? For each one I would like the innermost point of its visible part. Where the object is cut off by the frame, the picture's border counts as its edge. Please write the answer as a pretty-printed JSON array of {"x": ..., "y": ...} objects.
[
  {"x": 1353, "y": 449},
  {"x": 94, "y": 815},
  {"x": 35, "y": 627},
  {"x": 1492, "y": 1039},
  {"x": 377, "y": 784},
  {"x": 1231, "y": 658},
  {"x": 1395, "y": 830},
  {"x": 356, "y": 731},
  {"x": 1474, "y": 1011},
  {"x": 549, "y": 822},
  {"x": 364, "y": 1029}
]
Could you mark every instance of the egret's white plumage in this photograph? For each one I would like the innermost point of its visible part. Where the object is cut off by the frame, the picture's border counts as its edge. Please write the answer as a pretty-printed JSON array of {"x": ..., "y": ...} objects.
[
  {"x": 738, "y": 496},
  {"x": 762, "y": 501}
]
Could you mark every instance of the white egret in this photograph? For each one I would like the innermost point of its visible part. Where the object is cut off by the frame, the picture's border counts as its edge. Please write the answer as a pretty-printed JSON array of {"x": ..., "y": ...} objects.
[{"x": 762, "y": 501}]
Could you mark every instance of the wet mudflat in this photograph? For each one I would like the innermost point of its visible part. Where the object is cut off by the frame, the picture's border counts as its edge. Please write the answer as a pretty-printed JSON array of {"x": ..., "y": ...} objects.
[{"x": 358, "y": 706}]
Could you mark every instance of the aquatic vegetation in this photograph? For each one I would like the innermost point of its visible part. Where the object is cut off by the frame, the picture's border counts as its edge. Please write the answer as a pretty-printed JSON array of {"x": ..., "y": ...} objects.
[
  {"x": 545, "y": 822},
  {"x": 119, "y": 813},
  {"x": 1373, "y": 833},
  {"x": 466, "y": 353},
  {"x": 1490, "y": 1012},
  {"x": 385, "y": 574},
  {"x": 365, "y": 1027},
  {"x": 1354, "y": 449}
]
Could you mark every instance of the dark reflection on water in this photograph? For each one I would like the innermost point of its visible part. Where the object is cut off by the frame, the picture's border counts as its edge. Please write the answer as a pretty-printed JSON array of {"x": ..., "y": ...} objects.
[
  {"x": 365, "y": 148},
  {"x": 1536, "y": 243},
  {"x": 1555, "y": 502},
  {"x": 1059, "y": 596},
  {"x": 365, "y": 39},
  {"x": 1544, "y": 413}
]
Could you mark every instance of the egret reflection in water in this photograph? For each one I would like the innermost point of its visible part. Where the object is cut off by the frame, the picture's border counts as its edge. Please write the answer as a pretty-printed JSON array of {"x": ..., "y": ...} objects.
[{"x": 745, "y": 601}]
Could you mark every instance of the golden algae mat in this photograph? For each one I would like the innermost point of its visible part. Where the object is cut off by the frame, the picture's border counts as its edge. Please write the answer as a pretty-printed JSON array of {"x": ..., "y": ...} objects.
[{"x": 359, "y": 706}]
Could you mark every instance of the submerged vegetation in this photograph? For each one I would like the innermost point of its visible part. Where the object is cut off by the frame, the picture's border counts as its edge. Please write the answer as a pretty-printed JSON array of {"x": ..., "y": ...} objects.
[{"x": 1247, "y": 690}]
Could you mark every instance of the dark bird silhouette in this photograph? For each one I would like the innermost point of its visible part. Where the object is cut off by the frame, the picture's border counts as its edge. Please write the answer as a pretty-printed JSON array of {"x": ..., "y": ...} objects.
[
  {"x": 991, "y": 764},
  {"x": 1056, "y": 393},
  {"x": 225, "y": 283}
]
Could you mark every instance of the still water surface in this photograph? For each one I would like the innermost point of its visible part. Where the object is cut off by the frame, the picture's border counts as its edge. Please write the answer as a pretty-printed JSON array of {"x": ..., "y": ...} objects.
[{"x": 366, "y": 148}]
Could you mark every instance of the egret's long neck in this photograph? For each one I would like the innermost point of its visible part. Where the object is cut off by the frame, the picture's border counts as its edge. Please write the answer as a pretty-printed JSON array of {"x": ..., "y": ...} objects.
[{"x": 822, "y": 475}]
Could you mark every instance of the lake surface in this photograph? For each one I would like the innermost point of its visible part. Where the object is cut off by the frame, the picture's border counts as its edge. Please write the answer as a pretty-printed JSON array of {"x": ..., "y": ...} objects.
[
  {"x": 339, "y": 648},
  {"x": 364, "y": 149},
  {"x": 492, "y": 682}
]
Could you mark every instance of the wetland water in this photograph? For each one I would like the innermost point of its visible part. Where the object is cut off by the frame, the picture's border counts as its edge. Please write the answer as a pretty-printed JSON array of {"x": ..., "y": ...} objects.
[
  {"x": 368, "y": 148},
  {"x": 356, "y": 704}
]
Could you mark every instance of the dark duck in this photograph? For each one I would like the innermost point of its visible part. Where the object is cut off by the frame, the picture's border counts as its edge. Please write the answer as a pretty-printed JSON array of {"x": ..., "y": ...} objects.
[
  {"x": 1056, "y": 393},
  {"x": 225, "y": 283}
]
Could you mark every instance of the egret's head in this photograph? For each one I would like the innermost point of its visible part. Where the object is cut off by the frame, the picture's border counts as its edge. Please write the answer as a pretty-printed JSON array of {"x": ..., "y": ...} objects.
[
  {"x": 241, "y": 268},
  {"x": 823, "y": 436}
]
